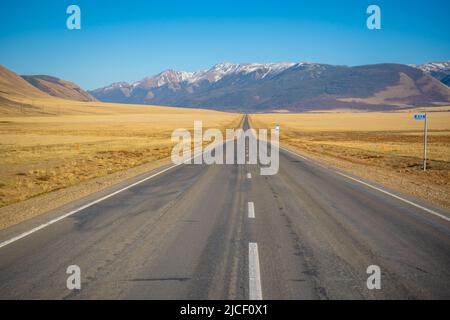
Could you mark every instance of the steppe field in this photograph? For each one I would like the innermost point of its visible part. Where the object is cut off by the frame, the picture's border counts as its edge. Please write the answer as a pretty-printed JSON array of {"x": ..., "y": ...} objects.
[
  {"x": 386, "y": 148},
  {"x": 54, "y": 144}
]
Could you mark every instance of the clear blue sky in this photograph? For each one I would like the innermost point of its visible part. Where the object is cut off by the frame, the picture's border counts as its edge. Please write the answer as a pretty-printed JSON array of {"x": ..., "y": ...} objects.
[{"x": 128, "y": 40}]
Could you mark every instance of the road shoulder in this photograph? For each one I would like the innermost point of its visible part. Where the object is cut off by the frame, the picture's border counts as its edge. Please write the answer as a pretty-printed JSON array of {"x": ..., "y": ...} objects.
[{"x": 37, "y": 206}]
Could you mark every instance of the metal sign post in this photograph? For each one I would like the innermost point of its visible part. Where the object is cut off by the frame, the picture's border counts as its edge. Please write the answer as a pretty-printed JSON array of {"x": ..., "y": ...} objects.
[{"x": 425, "y": 138}]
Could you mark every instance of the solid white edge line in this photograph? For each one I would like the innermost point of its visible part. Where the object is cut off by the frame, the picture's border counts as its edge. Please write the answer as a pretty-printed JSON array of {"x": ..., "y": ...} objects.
[
  {"x": 396, "y": 197},
  {"x": 376, "y": 188},
  {"x": 42, "y": 226},
  {"x": 251, "y": 210},
  {"x": 304, "y": 158},
  {"x": 254, "y": 284},
  {"x": 296, "y": 154}
]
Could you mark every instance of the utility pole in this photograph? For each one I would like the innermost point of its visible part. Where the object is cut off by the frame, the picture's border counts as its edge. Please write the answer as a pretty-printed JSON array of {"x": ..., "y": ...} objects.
[{"x": 425, "y": 140}]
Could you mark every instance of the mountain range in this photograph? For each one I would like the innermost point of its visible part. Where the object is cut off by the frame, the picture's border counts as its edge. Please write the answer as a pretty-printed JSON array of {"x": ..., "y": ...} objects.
[
  {"x": 256, "y": 87},
  {"x": 289, "y": 86}
]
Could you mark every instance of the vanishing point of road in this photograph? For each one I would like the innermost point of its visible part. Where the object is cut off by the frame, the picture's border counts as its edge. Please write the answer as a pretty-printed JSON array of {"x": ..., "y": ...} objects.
[{"x": 226, "y": 232}]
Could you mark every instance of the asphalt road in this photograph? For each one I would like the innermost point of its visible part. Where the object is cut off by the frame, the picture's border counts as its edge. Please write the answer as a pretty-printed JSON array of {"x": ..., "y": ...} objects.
[{"x": 190, "y": 233}]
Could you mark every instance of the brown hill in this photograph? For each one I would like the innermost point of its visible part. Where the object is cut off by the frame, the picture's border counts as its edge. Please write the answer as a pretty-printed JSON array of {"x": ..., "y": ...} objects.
[
  {"x": 59, "y": 88},
  {"x": 12, "y": 86},
  {"x": 19, "y": 97}
]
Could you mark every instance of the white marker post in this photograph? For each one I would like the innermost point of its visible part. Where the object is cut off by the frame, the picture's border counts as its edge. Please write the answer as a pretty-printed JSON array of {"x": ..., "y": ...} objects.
[{"x": 425, "y": 137}]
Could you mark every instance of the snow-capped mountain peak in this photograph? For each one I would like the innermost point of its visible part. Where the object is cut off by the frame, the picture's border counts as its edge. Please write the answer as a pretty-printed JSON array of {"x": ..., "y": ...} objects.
[
  {"x": 175, "y": 79},
  {"x": 438, "y": 70},
  {"x": 433, "y": 66},
  {"x": 168, "y": 77},
  {"x": 280, "y": 84},
  {"x": 221, "y": 70},
  {"x": 117, "y": 85},
  {"x": 217, "y": 72}
]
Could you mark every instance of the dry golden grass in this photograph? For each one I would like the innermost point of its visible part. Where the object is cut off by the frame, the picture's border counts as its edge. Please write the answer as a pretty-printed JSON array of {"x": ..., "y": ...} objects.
[
  {"x": 55, "y": 143},
  {"x": 353, "y": 121},
  {"x": 48, "y": 143},
  {"x": 384, "y": 147}
]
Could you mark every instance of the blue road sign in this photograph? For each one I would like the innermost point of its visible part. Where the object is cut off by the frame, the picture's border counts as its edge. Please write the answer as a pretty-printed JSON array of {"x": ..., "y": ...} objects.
[{"x": 420, "y": 116}]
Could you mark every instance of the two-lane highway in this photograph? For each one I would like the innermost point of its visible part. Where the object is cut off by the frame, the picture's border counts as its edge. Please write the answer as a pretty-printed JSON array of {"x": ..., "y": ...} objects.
[{"x": 226, "y": 232}]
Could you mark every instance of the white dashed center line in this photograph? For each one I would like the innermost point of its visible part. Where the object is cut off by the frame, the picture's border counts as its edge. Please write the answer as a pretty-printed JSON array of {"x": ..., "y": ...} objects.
[
  {"x": 251, "y": 210},
  {"x": 249, "y": 175},
  {"x": 254, "y": 285}
]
